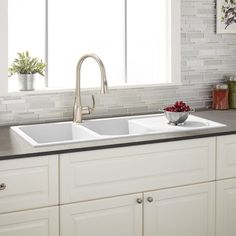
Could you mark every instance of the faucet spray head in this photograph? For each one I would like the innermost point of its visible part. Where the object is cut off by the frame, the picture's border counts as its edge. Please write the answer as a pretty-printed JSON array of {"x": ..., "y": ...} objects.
[{"x": 104, "y": 88}]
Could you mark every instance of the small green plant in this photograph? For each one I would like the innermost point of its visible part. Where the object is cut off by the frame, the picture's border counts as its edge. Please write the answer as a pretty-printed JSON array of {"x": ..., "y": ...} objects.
[{"x": 24, "y": 64}]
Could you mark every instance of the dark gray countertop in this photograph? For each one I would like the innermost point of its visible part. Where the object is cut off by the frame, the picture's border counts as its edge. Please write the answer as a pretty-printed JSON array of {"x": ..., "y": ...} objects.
[{"x": 13, "y": 146}]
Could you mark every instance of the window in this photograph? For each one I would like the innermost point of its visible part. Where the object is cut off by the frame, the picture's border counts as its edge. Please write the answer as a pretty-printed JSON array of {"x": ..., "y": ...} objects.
[
  {"x": 148, "y": 41},
  {"x": 138, "y": 40},
  {"x": 26, "y": 31},
  {"x": 77, "y": 27}
]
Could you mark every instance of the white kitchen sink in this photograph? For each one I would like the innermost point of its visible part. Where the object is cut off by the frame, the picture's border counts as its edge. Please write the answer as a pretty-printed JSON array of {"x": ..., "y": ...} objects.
[
  {"x": 54, "y": 133},
  {"x": 68, "y": 132},
  {"x": 137, "y": 125},
  {"x": 115, "y": 126}
]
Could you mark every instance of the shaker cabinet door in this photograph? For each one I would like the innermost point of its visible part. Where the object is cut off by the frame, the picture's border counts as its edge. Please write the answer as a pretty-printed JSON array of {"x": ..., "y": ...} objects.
[
  {"x": 226, "y": 207},
  {"x": 119, "y": 216},
  {"x": 226, "y": 157},
  {"x": 183, "y": 211}
]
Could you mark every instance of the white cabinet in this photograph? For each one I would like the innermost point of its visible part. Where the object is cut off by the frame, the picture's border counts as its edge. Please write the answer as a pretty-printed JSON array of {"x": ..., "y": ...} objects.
[
  {"x": 28, "y": 183},
  {"x": 116, "y": 171},
  {"x": 118, "y": 216},
  {"x": 165, "y": 189},
  {"x": 226, "y": 157},
  {"x": 183, "y": 211},
  {"x": 40, "y": 222},
  {"x": 226, "y": 208}
]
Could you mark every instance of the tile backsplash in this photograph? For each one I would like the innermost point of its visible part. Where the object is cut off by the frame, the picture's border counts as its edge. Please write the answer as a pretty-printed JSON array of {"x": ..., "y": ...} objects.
[{"x": 206, "y": 58}]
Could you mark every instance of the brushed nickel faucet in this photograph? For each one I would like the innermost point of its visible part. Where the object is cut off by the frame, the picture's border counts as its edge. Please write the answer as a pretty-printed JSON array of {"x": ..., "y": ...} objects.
[{"x": 80, "y": 110}]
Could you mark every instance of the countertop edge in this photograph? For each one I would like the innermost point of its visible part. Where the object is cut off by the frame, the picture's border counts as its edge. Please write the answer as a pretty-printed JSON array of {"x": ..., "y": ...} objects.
[{"x": 107, "y": 146}]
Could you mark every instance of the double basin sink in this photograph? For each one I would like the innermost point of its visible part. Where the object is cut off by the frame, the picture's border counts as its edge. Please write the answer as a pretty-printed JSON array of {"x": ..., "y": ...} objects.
[{"x": 68, "y": 132}]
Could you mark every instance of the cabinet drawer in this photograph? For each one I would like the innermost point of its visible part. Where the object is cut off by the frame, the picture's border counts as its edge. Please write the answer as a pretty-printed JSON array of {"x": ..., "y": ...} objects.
[
  {"x": 226, "y": 157},
  {"x": 104, "y": 173},
  {"x": 40, "y": 222},
  {"x": 29, "y": 183}
]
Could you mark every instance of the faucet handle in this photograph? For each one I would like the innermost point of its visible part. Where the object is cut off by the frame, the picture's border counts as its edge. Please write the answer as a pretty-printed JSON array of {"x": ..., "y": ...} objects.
[
  {"x": 86, "y": 110},
  {"x": 94, "y": 103}
]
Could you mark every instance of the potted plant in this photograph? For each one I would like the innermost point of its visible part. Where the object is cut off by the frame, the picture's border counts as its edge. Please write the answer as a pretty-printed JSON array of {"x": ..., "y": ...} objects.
[{"x": 26, "y": 68}]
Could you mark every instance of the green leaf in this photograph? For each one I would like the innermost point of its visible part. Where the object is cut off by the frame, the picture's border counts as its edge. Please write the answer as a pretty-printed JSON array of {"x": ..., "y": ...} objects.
[{"x": 24, "y": 64}]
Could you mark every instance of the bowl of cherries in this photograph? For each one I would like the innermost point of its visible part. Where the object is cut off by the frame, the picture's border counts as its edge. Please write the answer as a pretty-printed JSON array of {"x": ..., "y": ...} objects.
[{"x": 178, "y": 113}]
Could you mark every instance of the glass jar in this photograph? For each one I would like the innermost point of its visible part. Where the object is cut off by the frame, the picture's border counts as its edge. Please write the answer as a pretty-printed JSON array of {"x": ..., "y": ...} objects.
[{"x": 220, "y": 97}]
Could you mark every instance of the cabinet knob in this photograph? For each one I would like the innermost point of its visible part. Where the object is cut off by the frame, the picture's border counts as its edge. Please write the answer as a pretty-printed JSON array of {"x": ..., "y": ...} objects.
[
  {"x": 139, "y": 200},
  {"x": 150, "y": 199},
  {"x": 2, "y": 186}
]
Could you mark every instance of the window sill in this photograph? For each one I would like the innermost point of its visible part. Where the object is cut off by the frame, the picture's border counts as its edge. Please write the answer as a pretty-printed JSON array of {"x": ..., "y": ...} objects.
[{"x": 111, "y": 88}]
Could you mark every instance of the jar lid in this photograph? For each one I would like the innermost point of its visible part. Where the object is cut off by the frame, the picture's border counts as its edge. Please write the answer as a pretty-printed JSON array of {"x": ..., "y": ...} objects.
[{"x": 221, "y": 86}]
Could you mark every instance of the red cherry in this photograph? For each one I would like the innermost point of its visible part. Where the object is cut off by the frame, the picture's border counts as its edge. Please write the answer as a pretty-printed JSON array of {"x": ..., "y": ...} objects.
[{"x": 179, "y": 106}]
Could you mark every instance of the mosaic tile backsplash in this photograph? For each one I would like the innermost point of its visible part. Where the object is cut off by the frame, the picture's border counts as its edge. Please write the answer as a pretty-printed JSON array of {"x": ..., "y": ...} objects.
[{"x": 206, "y": 58}]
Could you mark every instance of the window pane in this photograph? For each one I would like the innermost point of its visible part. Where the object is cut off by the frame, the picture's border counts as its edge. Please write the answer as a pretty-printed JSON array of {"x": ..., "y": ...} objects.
[
  {"x": 26, "y": 31},
  {"x": 148, "y": 41},
  {"x": 77, "y": 27}
]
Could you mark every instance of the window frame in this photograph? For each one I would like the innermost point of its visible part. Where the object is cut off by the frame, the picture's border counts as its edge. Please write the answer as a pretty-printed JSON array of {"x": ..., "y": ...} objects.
[
  {"x": 176, "y": 42},
  {"x": 4, "y": 47},
  {"x": 175, "y": 28}
]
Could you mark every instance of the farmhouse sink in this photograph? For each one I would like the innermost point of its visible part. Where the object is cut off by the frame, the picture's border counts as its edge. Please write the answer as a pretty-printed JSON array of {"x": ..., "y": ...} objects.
[{"x": 69, "y": 132}]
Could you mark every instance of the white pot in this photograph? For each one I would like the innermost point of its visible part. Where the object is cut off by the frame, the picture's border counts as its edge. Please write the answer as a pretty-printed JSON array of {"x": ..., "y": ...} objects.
[{"x": 26, "y": 82}]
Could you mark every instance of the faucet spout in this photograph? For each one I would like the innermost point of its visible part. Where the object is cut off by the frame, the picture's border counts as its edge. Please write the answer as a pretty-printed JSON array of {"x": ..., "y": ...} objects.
[{"x": 80, "y": 110}]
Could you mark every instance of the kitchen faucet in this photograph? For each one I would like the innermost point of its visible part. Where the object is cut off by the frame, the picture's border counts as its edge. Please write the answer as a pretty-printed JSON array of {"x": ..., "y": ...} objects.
[{"x": 80, "y": 110}]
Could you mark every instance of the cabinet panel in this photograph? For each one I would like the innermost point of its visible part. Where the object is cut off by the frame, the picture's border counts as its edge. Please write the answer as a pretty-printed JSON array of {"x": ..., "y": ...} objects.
[
  {"x": 105, "y": 173},
  {"x": 120, "y": 216},
  {"x": 183, "y": 211},
  {"x": 226, "y": 207},
  {"x": 29, "y": 183},
  {"x": 226, "y": 157},
  {"x": 41, "y": 222}
]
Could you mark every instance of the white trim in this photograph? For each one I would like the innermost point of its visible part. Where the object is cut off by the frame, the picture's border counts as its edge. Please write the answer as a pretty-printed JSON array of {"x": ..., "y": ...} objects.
[
  {"x": 126, "y": 42},
  {"x": 3, "y": 47},
  {"x": 112, "y": 88},
  {"x": 176, "y": 41},
  {"x": 46, "y": 43}
]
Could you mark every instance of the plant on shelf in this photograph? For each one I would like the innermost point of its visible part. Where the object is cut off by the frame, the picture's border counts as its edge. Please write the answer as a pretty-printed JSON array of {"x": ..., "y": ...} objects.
[{"x": 26, "y": 67}]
